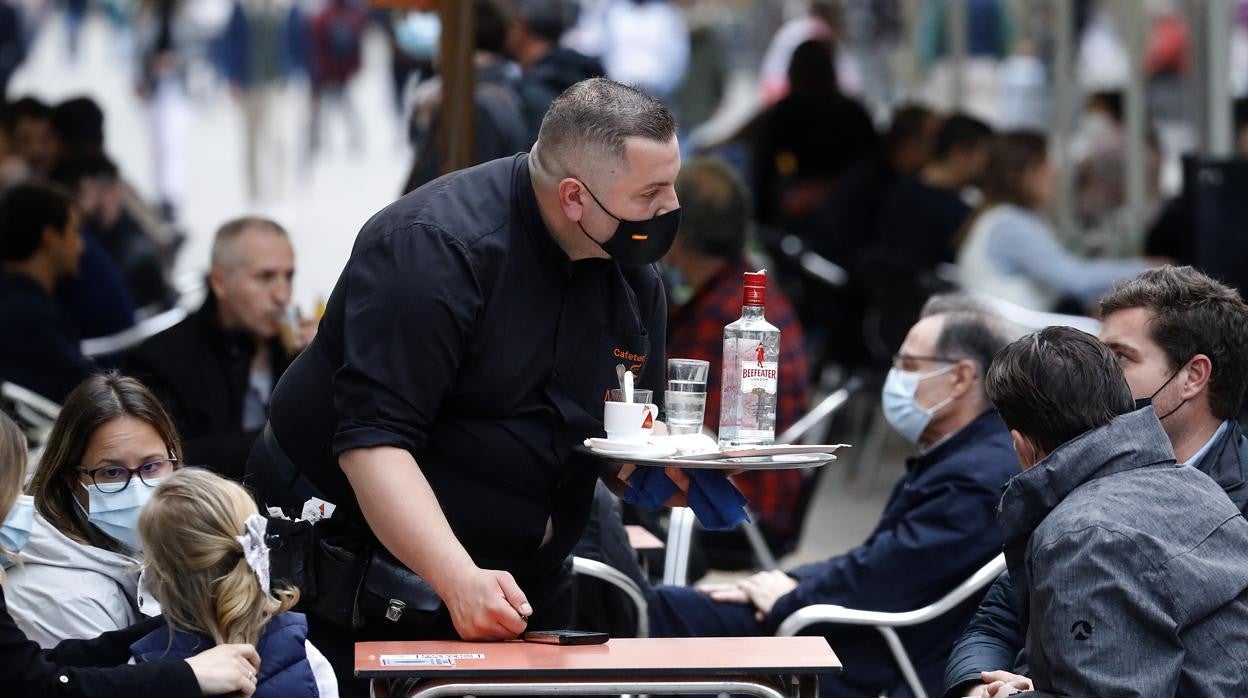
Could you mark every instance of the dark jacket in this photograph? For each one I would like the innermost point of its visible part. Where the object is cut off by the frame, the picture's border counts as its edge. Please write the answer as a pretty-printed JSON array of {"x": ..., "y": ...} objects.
[
  {"x": 201, "y": 373},
  {"x": 994, "y": 638},
  {"x": 42, "y": 351},
  {"x": 937, "y": 529},
  {"x": 88, "y": 668},
  {"x": 1130, "y": 569},
  {"x": 284, "y": 668},
  {"x": 547, "y": 79}
]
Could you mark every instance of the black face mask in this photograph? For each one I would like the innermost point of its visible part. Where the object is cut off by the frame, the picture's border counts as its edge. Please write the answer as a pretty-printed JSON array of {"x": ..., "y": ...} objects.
[
  {"x": 638, "y": 243},
  {"x": 1148, "y": 401}
]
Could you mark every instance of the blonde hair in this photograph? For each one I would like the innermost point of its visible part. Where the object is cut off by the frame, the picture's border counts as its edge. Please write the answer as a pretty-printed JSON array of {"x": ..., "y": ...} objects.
[
  {"x": 195, "y": 566},
  {"x": 12, "y": 471}
]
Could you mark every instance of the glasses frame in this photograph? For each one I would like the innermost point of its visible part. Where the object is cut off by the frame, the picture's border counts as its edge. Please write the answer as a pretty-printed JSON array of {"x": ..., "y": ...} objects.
[{"x": 130, "y": 473}]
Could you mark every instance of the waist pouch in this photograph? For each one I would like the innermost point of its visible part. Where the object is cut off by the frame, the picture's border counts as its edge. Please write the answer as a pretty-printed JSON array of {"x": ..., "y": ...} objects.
[{"x": 343, "y": 575}]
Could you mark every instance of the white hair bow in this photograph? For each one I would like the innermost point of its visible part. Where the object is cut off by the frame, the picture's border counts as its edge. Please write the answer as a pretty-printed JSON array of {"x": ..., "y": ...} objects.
[{"x": 255, "y": 550}]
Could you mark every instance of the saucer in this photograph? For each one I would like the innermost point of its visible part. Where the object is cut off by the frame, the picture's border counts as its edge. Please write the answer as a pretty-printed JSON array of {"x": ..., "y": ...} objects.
[{"x": 636, "y": 449}]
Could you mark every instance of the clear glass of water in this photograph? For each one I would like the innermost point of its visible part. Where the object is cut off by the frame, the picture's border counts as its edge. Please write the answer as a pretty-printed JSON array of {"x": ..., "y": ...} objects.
[{"x": 685, "y": 397}]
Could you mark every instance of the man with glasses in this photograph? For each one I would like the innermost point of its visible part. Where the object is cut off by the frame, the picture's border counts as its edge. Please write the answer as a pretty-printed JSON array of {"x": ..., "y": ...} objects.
[{"x": 937, "y": 529}]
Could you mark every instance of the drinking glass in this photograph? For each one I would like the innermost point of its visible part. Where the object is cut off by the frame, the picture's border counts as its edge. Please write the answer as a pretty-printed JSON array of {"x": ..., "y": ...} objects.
[{"x": 685, "y": 397}]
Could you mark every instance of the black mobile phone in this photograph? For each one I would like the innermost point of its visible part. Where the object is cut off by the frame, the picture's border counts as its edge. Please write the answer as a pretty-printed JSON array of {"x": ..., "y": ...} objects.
[{"x": 566, "y": 637}]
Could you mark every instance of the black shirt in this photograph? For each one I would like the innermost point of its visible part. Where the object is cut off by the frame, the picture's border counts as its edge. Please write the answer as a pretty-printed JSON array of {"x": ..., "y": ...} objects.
[
  {"x": 42, "y": 351},
  {"x": 922, "y": 221},
  {"x": 461, "y": 332}
]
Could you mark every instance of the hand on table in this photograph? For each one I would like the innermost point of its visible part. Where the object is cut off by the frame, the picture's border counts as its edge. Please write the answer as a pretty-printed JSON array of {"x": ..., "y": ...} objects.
[
  {"x": 226, "y": 670},
  {"x": 488, "y": 605}
]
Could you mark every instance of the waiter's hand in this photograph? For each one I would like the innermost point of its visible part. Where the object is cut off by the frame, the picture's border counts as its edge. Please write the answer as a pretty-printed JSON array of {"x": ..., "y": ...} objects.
[{"x": 488, "y": 605}]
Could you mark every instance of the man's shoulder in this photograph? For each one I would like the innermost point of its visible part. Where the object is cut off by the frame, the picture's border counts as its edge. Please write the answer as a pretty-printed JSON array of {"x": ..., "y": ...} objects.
[
  {"x": 1140, "y": 506},
  {"x": 982, "y": 451},
  {"x": 172, "y": 345},
  {"x": 466, "y": 207}
]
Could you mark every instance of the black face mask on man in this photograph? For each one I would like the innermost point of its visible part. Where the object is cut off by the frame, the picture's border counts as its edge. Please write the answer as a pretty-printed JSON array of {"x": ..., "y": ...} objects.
[
  {"x": 637, "y": 243},
  {"x": 1148, "y": 401}
]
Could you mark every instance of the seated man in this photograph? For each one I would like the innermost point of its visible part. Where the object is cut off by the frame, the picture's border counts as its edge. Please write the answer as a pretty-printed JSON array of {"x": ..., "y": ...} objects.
[
  {"x": 937, "y": 528},
  {"x": 215, "y": 371},
  {"x": 1132, "y": 569},
  {"x": 99, "y": 195},
  {"x": 709, "y": 256},
  {"x": 922, "y": 215},
  {"x": 1160, "y": 324},
  {"x": 39, "y": 252}
]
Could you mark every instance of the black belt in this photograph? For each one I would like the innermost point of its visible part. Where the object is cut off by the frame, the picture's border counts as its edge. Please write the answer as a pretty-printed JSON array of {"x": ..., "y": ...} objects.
[{"x": 282, "y": 483}]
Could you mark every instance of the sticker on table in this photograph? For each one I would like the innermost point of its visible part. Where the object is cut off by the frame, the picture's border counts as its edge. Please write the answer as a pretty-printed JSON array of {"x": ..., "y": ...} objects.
[{"x": 425, "y": 659}]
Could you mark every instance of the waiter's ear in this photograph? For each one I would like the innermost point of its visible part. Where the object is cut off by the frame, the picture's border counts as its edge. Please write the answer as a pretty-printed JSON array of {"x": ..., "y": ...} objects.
[{"x": 572, "y": 198}]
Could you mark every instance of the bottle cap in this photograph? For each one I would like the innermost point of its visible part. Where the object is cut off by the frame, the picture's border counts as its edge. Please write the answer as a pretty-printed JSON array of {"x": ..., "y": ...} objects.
[{"x": 755, "y": 291}]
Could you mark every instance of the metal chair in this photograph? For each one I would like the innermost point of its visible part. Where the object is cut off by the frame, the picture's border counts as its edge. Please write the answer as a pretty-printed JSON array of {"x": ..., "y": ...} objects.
[
  {"x": 133, "y": 336},
  {"x": 886, "y": 623},
  {"x": 619, "y": 580}
]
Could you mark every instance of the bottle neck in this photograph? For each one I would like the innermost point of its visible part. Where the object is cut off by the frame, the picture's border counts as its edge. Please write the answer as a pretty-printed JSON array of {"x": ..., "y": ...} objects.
[{"x": 752, "y": 312}]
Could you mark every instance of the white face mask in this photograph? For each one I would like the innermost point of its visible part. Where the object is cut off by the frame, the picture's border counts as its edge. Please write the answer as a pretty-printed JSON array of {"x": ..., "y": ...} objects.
[
  {"x": 900, "y": 408},
  {"x": 16, "y": 528},
  {"x": 117, "y": 513}
]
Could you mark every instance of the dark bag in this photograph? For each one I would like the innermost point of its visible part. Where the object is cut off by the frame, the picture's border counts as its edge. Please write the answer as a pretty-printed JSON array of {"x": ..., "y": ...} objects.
[
  {"x": 345, "y": 579},
  {"x": 393, "y": 595}
]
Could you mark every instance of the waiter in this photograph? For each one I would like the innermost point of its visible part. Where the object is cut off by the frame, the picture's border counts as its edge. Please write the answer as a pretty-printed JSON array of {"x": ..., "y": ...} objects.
[{"x": 466, "y": 350}]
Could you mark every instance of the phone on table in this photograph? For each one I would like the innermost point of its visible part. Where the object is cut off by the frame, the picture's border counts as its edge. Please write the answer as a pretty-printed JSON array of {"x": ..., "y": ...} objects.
[{"x": 566, "y": 637}]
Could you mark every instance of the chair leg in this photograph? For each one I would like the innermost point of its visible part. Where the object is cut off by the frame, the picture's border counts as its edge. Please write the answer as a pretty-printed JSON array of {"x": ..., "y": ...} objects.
[
  {"x": 903, "y": 661},
  {"x": 762, "y": 553}
]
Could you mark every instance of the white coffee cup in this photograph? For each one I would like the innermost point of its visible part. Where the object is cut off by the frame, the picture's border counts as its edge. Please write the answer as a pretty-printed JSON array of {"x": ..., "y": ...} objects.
[{"x": 629, "y": 421}]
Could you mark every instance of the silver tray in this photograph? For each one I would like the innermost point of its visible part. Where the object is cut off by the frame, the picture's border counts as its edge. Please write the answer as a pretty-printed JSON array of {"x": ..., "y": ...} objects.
[{"x": 757, "y": 458}]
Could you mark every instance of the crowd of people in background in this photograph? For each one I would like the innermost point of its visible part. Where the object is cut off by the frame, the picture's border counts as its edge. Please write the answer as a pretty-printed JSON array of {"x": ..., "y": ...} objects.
[{"x": 923, "y": 221}]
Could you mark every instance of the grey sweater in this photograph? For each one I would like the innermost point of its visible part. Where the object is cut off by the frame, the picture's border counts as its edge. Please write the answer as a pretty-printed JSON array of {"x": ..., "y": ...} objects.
[{"x": 1132, "y": 570}]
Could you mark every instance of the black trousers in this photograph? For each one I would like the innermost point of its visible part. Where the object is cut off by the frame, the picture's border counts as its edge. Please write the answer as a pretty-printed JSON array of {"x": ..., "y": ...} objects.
[{"x": 276, "y": 481}]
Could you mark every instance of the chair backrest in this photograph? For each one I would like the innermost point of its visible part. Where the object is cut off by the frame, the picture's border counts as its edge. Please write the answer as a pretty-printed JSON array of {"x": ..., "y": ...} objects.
[{"x": 133, "y": 336}]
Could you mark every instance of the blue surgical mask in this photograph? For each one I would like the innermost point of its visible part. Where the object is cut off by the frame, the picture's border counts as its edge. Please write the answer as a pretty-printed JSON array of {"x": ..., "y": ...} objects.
[
  {"x": 15, "y": 530},
  {"x": 900, "y": 408},
  {"x": 117, "y": 513}
]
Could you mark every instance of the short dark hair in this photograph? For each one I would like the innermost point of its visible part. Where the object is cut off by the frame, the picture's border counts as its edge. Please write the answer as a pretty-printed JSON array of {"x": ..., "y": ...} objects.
[
  {"x": 26, "y": 108},
  {"x": 960, "y": 131},
  {"x": 80, "y": 124},
  {"x": 1056, "y": 384},
  {"x": 1193, "y": 314},
  {"x": 547, "y": 19},
  {"x": 1011, "y": 156},
  {"x": 25, "y": 211},
  {"x": 491, "y": 18},
  {"x": 909, "y": 124},
  {"x": 73, "y": 170},
  {"x": 715, "y": 208},
  {"x": 596, "y": 117}
]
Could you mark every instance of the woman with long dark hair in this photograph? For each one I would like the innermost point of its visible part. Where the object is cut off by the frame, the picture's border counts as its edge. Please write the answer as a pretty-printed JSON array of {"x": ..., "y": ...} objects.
[
  {"x": 92, "y": 668},
  {"x": 1009, "y": 250}
]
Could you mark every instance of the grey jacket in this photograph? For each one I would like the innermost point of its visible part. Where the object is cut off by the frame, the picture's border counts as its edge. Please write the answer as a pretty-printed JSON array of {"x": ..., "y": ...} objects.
[
  {"x": 1132, "y": 570},
  {"x": 63, "y": 589},
  {"x": 994, "y": 638}
]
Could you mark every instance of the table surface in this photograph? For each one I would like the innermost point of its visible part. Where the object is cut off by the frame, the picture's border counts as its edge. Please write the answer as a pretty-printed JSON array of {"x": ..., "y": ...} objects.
[
  {"x": 641, "y": 539},
  {"x": 658, "y": 657}
]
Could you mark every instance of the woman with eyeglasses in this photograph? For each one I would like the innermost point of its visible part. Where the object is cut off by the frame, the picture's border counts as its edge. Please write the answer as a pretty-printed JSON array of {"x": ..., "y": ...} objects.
[
  {"x": 110, "y": 446},
  {"x": 95, "y": 668}
]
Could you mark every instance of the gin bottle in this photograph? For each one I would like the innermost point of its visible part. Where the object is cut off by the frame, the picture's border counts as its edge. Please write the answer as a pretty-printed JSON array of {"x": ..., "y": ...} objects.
[{"x": 750, "y": 370}]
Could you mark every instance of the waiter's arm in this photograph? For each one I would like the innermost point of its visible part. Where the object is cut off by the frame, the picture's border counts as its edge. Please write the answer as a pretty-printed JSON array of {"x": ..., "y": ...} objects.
[
  {"x": 411, "y": 300},
  {"x": 404, "y": 514}
]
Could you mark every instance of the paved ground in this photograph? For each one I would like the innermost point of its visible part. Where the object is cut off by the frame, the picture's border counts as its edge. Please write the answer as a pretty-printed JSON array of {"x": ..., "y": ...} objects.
[{"x": 326, "y": 205}]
